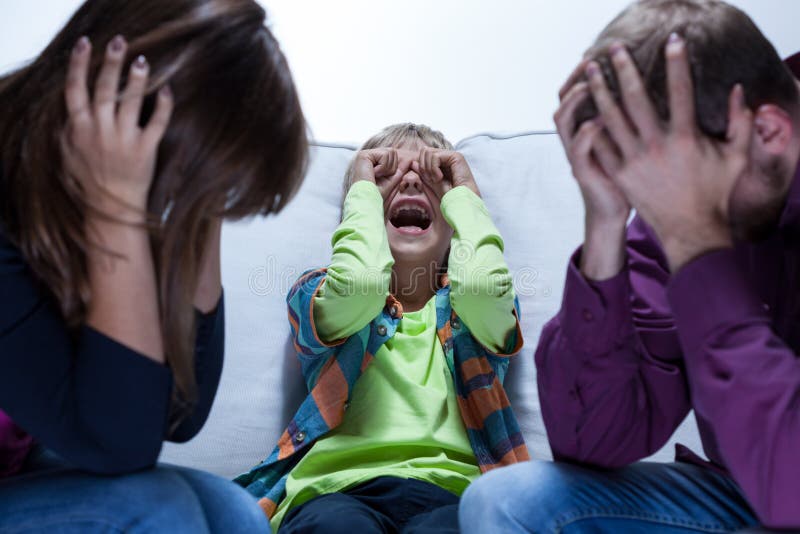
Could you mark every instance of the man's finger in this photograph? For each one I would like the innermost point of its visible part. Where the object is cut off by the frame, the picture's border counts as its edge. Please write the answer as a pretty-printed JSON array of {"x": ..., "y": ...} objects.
[
  {"x": 564, "y": 117},
  {"x": 680, "y": 86},
  {"x": 637, "y": 102},
  {"x": 581, "y": 149},
  {"x": 574, "y": 77},
  {"x": 614, "y": 119},
  {"x": 606, "y": 154}
]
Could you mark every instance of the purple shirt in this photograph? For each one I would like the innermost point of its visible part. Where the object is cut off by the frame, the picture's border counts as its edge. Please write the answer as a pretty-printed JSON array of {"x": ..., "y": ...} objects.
[
  {"x": 14, "y": 446},
  {"x": 625, "y": 360}
]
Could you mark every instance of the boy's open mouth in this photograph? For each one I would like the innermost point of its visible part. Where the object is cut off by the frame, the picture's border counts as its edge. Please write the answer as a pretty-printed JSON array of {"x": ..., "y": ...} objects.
[{"x": 410, "y": 216}]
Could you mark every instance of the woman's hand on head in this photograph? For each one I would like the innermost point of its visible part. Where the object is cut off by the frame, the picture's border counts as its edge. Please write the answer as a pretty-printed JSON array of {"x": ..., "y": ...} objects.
[
  {"x": 103, "y": 146},
  {"x": 443, "y": 170}
]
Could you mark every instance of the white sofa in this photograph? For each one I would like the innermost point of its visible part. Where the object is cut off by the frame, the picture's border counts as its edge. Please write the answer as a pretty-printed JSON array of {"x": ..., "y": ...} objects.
[{"x": 528, "y": 187}]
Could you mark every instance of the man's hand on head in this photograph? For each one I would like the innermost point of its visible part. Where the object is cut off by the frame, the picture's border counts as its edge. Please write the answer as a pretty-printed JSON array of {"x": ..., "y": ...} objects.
[
  {"x": 678, "y": 180},
  {"x": 607, "y": 209}
]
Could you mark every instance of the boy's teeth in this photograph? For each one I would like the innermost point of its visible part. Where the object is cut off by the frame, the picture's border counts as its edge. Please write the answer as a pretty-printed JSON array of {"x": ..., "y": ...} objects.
[{"x": 419, "y": 210}]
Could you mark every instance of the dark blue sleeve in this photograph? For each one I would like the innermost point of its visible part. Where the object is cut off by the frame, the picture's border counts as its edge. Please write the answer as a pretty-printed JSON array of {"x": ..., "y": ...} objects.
[
  {"x": 92, "y": 400},
  {"x": 209, "y": 354}
]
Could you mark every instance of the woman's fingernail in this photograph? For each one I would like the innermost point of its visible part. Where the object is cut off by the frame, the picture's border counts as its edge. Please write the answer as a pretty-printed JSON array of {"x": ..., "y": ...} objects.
[
  {"x": 117, "y": 43},
  {"x": 674, "y": 38},
  {"x": 592, "y": 69},
  {"x": 165, "y": 91},
  {"x": 140, "y": 63},
  {"x": 616, "y": 49},
  {"x": 82, "y": 45}
]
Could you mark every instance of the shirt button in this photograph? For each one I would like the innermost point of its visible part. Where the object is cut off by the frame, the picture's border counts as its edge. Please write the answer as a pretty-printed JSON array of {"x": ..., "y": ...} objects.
[
  {"x": 346, "y": 405},
  {"x": 381, "y": 330},
  {"x": 588, "y": 316},
  {"x": 393, "y": 311},
  {"x": 455, "y": 323},
  {"x": 300, "y": 437}
]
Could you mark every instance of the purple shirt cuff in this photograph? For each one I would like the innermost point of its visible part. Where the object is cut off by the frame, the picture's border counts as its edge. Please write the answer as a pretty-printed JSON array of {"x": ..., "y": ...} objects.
[{"x": 595, "y": 315}]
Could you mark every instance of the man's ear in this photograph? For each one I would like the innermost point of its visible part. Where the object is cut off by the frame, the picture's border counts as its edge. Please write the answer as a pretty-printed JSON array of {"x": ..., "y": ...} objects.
[{"x": 773, "y": 129}]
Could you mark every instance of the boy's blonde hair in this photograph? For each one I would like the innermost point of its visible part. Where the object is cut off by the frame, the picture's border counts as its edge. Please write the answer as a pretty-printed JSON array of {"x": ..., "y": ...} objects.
[{"x": 395, "y": 135}]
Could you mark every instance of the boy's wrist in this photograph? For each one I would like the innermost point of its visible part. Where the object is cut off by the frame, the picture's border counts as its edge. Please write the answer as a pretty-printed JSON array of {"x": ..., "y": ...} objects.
[
  {"x": 363, "y": 197},
  {"x": 461, "y": 191},
  {"x": 365, "y": 189}
]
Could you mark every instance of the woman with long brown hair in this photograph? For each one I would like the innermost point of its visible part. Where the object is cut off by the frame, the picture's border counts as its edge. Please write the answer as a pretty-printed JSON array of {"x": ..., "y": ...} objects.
[{"x": 123, "y": 146}]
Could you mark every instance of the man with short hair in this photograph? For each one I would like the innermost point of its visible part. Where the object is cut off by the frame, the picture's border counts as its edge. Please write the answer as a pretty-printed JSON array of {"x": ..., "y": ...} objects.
[{"x": 684, "y": 112}]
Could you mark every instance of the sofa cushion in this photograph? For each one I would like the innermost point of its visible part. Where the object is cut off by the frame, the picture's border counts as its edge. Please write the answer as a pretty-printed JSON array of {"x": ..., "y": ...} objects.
[{"x": 529, "y": 190}]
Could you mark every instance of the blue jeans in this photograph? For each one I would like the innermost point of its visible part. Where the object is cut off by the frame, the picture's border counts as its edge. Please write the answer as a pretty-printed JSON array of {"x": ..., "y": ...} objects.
[
  {"x": 52, "y": 497},
  {"x": 383, "y": 504},
  {"x": 647, "y": 498}
]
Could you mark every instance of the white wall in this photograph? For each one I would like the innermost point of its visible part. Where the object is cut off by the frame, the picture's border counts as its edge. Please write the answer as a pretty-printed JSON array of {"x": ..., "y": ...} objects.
[{"x": 462, "y": 66}]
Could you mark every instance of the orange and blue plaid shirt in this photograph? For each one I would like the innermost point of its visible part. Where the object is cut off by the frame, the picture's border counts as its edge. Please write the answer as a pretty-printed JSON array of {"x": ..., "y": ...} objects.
[{"x": 331, "y": 370}]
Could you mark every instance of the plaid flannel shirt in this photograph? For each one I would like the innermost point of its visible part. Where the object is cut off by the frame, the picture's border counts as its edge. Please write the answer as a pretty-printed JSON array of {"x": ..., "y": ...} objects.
[{"x": 331, "y": 370}]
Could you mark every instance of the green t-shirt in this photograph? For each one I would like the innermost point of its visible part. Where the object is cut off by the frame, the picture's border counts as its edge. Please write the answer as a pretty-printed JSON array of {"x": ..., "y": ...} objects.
[{"x": 403, "y": 421}]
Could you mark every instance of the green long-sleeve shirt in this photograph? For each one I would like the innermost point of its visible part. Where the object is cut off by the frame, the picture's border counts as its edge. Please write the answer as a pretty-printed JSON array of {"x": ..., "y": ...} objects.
[{"x": 358, "y": 277}]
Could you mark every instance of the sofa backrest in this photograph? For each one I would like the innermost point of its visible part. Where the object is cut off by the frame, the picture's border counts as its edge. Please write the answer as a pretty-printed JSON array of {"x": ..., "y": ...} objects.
[{"x": 529, "y": 190}]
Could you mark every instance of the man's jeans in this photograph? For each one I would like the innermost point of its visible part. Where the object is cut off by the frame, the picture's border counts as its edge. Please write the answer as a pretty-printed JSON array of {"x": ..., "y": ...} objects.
[{"x": 648, "y": 498}]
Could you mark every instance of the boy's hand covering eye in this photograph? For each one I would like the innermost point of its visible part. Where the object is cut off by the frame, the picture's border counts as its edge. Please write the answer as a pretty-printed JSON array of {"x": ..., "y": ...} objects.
[
  {"x": 442, "y": 170},
  {"x": 382, "y": 166}
]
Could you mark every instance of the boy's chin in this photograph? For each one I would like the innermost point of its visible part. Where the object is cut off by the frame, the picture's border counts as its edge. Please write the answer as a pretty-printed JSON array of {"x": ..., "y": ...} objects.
[{"x": 411, "y": 252}]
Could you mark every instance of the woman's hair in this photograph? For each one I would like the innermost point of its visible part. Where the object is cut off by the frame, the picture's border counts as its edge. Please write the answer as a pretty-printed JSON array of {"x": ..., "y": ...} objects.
[
  {"x": 725, "y": 48},
  {"x": 236, "y": 146},
  {"x": 394, "y": 136}
]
